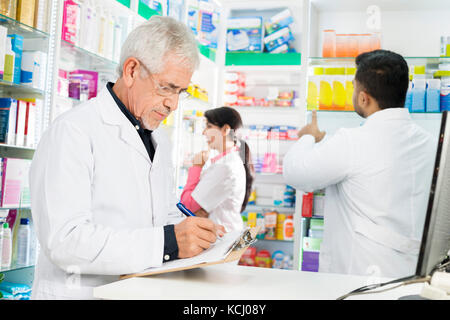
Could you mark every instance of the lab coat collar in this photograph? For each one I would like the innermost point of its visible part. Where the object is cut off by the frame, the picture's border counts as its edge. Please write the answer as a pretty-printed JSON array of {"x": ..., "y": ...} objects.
[
  {"x": 389, "y": 114},
  {"x": 112, "y": 115},
  {"x": 223, "y": 154}
]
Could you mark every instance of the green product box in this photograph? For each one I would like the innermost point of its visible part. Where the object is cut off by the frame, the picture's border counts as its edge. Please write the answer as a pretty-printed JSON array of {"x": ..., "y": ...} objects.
[
  {"x": 126, "y": 3},
  {"x": 262, "y": 58},
  {"x": 145, "y": 11},
  {"x": 316, "y": 224},
  {"x": 311, "y": 244}
]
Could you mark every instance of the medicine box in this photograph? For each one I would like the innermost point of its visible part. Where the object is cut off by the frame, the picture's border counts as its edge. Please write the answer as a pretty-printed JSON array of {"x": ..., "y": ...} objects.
[
  {"x": 3, "y": 33},
  {"x": 17, "y": 47},
  {"x": 33, "y": 69},
  {"x": 208, "y": 24},
  {"x": 245, "y": 34},
  {"x": 278, "y": 38},
  {"x": 278, "y": 21}
]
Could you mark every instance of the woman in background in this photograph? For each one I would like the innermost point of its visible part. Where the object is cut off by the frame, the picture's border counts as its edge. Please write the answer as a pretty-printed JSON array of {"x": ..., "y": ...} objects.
[{"x": 221, "y": 190}]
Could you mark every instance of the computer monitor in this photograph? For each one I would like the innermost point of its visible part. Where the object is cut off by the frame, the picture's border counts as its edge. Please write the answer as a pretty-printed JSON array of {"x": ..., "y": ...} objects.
[{"x": 435, "y": 243}]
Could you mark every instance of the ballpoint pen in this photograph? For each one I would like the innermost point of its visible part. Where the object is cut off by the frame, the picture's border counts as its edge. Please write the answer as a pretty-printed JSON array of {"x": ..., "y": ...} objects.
[{"x": 184, "y": 210}]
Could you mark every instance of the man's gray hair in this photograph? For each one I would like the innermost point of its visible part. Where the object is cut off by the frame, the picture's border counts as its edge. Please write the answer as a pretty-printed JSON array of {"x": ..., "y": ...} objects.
[{"x": 153, "y": 40}]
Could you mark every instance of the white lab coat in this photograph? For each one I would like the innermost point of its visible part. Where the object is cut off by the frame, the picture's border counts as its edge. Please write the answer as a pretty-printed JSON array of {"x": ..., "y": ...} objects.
[
  {"x": 221, "y": 191},
  {"x": 98, "y": 203},
  {"x": 377, "y": 180}
]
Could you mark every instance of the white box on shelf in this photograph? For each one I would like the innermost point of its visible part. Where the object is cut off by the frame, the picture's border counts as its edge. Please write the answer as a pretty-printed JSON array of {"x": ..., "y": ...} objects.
[{"x": 3, "y": 36}]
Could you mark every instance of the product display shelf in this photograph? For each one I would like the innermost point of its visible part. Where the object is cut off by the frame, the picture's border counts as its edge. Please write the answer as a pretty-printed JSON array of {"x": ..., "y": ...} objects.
[
  {"x": 265, "y": 68},
  {"x": 263, "y": 59},
  {"x": 18, "y": 91},
  {"x": 15, "y": 267},
  {"x": 84, "y": 58},
  {"x": 17, "y": 27},
  {"x": 259, "y": 208},
  {"x": 351, "y": 60},
  {"x": 12, "y": 151},
  {"x": 285, "y": 110}
]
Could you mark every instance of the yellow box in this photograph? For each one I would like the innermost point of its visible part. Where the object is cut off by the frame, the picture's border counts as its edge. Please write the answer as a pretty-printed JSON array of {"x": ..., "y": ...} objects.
[{"x": 25, "y": 11}]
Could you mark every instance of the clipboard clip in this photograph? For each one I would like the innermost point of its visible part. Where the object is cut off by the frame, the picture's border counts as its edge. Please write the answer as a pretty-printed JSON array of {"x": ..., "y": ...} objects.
[{"x": 245, "y": 240}]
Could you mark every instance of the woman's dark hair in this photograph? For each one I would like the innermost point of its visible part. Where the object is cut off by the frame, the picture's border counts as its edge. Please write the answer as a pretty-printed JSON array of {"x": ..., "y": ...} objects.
[
  {"x": 226, "y": 115},
  {"x": 385, "y": 76}
]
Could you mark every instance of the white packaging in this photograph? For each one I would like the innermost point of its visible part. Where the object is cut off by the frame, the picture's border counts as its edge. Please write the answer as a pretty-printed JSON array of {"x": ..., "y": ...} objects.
[
  {"x": 278, "y": 195},
  {"x": 7, "y": 246},
  {"x": 101, "y": 27},
  {"x": 118, "y": 30},
  {"x": 11, "y": 139},
  {"x": 3, "y": 37},
  {"x": 21, "y": 117},
  {"x": 38, "y": 122},
  {"x": 109, "y": 36},
  {"x": 30, "y": 125},
  {"x": 41, "y": 16},
  {"x": 23, "y": 243},
  {"x": 89, "y": 25},
  {"x": 33, "y": 69}
]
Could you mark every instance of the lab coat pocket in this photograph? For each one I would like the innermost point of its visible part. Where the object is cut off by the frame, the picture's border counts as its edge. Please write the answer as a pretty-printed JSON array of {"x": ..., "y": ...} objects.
[{"x": 386, "y": 237}]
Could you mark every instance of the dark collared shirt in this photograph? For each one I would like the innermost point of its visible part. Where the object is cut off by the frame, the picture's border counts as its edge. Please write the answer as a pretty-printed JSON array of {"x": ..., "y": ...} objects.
[{"x": 170, "y": 241}]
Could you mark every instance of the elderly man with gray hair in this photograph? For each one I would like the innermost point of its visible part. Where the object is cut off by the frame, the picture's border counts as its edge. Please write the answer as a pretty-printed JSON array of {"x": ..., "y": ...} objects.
[{"x": 102, "y": 192}]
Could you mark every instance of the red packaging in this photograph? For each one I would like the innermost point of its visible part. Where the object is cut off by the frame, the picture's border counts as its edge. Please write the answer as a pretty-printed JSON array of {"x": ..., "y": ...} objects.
[
  {"x": 307, "y": 205},
  {"x": 263, "y": 259},
  {"x": 248, "y": 257}
]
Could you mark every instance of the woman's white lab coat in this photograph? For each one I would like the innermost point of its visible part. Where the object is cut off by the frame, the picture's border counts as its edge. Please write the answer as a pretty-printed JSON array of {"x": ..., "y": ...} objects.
[{"x": 98, "y": 203}]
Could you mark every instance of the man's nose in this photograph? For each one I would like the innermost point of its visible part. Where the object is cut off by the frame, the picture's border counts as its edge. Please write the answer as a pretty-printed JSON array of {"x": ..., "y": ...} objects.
[{"x": 171, "y": 102}]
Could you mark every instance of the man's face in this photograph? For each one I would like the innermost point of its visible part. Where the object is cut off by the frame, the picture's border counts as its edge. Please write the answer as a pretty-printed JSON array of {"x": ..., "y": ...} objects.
[{"x": 155, "y": 96}]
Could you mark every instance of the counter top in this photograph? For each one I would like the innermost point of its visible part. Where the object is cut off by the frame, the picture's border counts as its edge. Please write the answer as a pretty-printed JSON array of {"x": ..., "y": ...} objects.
[{"x": 233, "y": 282}]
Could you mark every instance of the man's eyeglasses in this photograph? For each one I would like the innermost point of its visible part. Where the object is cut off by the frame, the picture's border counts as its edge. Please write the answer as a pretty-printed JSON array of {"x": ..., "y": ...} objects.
[{"x": 166, "y": 91}]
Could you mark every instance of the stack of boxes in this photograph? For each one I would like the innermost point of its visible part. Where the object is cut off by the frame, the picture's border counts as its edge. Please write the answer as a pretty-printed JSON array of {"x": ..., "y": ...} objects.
[
  {"x": 19, "y": 66},
  {"x": 253, "y": 34},
  {"x": 313, "y": 208}
]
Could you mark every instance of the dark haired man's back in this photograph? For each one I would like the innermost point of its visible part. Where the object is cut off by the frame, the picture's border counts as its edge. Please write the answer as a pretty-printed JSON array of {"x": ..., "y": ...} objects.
[{"x": 377, "y": 176}]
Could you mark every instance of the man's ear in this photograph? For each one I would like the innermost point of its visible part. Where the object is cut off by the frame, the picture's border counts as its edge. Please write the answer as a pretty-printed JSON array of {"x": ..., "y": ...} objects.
[
  {"x": 130, "y": 71},
  {"x": 363, "y": 99}
]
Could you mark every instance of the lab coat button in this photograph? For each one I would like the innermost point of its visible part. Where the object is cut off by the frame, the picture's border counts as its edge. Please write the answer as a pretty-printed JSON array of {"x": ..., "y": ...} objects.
[{"x": 166, "y": 257}]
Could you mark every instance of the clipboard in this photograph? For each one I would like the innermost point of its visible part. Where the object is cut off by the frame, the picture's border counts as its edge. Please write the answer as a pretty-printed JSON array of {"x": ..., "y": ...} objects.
[{"x": 237, "y": 248}]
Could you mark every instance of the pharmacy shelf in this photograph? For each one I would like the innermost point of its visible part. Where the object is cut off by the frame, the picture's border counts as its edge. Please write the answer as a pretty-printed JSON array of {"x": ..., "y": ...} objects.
[
  {"x": 83, "y": 58},
  {"x": 15, "y": 267},
  {"x": 263, "y": 59},
  {"x": 19, "y": 91},
  {"x": 259, "y": 4},
  {"x": 383, "y": 5},
  {"x": 277, "y": 240},
  {"x": 258, "y": 208},
  {"x": 10, "y": 151},
  {"x": 267, "y": 109},
  {"x": 265, "y": 68},
  {"x": 351, "y": 60},
  {"x": 16, "y": 27}
]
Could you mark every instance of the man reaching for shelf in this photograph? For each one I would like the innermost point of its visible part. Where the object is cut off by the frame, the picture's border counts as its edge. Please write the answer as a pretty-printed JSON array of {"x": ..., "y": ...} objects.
[{"x": 377, "y": 176}]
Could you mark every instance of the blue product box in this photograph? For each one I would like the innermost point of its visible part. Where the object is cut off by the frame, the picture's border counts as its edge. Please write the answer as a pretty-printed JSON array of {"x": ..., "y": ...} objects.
[
  {"x": 209, "y": 23},
  {"x": 278, "y": 21},
  {"x": 278, "y": 38},
  {"x": 418, "y": 95},
  {"x": 433, "y": 98},
  {"x": 245, "y": 34},
  {"x": 17, "y": 47},
  {"x": 192, "y": 13},
  {"x": 7, "y": 117}
]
